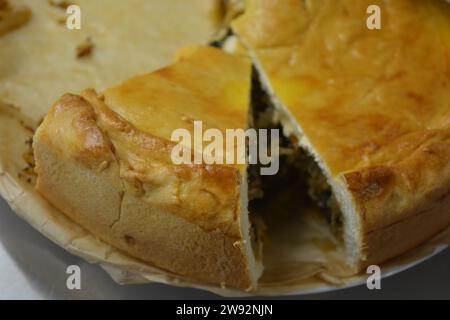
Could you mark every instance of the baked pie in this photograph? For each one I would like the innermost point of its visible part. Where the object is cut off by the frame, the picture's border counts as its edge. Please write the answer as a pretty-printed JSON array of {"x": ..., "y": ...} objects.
[{"x": 365, "y": 117}]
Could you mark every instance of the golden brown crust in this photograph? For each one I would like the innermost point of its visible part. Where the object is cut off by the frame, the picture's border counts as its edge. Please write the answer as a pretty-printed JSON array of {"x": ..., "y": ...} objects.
[
  {"x": 271, "y": 15},
  {"x": 348, "y": 84},
  {"x": 206, "y": 195},
  {"x": 372, "y": 104},
  {"x": 120, "y": 184},
  {"x": 178, "y": 95}
]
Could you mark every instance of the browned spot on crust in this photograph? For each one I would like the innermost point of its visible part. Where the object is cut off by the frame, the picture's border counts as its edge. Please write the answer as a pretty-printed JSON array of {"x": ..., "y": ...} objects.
[
  {"x": 370, "y": 183},
  {"x": 418, "y": 98},
  {"x": 94, "y": 142},
  {"x": 12, "y": 18},
  {"x": 85, "y": 49}
]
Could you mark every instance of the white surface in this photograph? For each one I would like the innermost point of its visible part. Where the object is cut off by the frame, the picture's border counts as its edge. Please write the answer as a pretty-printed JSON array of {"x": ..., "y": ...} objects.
[{"x": 31, "y": 267}]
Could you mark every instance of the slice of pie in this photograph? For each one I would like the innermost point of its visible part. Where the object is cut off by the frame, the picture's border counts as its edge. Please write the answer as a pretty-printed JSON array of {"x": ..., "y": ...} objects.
[
  {"x": 105, "y": 161},
  {"x": 369, "y": 109}
]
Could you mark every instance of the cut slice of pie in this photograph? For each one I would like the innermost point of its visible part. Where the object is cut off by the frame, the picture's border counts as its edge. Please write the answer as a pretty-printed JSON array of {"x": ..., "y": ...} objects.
[
  {"x": 371, "y": 108},
  {"x": 105, "y": 161}
]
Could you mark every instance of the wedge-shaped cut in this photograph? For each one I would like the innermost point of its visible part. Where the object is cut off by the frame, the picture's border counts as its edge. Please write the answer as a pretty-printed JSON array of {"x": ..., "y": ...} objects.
[
  {"x": 105, "y": 161},
  {"x": 371, "y": 106}
]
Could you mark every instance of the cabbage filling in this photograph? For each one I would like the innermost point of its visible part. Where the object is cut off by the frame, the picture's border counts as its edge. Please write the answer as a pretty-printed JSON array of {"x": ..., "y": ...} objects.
[{"x": 299, "y": 180}]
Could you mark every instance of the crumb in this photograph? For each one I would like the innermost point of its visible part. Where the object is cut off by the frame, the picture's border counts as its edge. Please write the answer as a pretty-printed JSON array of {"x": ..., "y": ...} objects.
[
  {"x": 27, "y": 127},
  {"x": 61, "y": 21},
  {"x": 28, "y": 157},
  {"x": 28, "y": 174},
  {"x": 59, "y": 4},
  {"x": 85, "y": 49},
  {"x": 29, "y": 142},
  {"x": 27, "y": 177},
  {"x": 12, "y": 18}
]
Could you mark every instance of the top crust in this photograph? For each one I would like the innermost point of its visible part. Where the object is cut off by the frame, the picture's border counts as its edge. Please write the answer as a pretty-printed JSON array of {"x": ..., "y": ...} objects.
[
  {"x": 118, "y": 181},
  {"x": 373, "y": 106}
]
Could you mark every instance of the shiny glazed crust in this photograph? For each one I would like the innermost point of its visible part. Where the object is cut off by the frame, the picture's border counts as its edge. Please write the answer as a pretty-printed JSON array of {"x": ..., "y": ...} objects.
[
  {"x": 119, "y": 182},
  {"x": 372, "y": 106}
]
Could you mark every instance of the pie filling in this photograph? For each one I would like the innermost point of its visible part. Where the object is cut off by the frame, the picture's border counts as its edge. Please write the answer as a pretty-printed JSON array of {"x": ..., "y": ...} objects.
[{"x": 300, "y": 179}]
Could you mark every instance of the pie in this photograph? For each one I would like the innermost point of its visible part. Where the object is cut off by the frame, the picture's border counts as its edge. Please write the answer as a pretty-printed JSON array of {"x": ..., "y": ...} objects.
[{"x": 364, "y": 115}]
